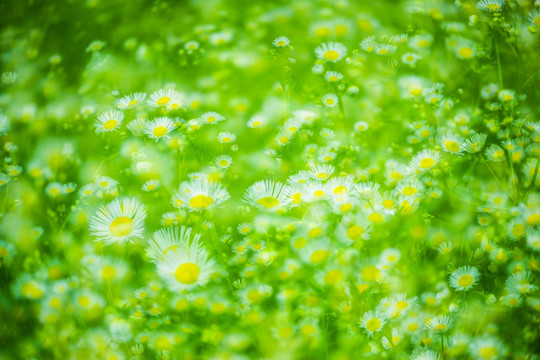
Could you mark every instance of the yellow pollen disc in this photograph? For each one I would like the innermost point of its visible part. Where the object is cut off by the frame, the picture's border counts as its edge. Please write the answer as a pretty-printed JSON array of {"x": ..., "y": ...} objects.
[
  {"x": 210, "y": 119},
  {"x": 427, "y": 163},
  {"x": 322, "y": 175},
  {"x": 440, "y": 327},
  {"x": 409, "y": 190},
  {"x": 55, "y": 302},
  {"x": 493, "y": 7},
  {"x": 296, "y": 198},
  {"x": 415, "y": 91},
  {"x": 163, "y": 100},
  {"x": 318, "y": 256},
  {"x": 488, "y": 353},
  {"x": 533, "y": 220},
  {"x": 84, "y": 301},
  {"x": 318, "y": 193},
  {"x": 133, "y": 102},
  {"x": 268, "y": 202},
  {"x": 256, "y": 124},
  {"x": 254, "y": 296},
  {"x": 226, "y": 139},
  {"x": 376, "y": 218},
  {"x": 308, "y": 329},
  {"x": 354, "y": 232},
  {"x": 223, "y": 162},
  {"x": 388, "y": 204},
  {"x": 329, "y": 101},
  {"x": 108, "y": 272},
  {"x": 187, "y": 273},
  {"x": 283, "y": 139},
  {"x": 331, "y": 55},
  {"x": 315, "y": 232},
  {"x": 201, "y": 202},
  {"x": 373, "y": 325},
  {"x": 281, "y": 43},
  {"x": 465, "y": 52},
  {"x": 370, "y": 273},
  {"x": 160, "y": 131},
  {"x": 383, "y": 51},
  {"x": 110, "y": 124},
  {"x": 300, "y": 243},
  {"x": 151, "y": 187},
  {"x": 401, "y": 305},
  {"x": 121, "y": 226},
  {"x": 465, "y": 280},
  {"x": 340, "y": 189},
  {"x": 333, "y": 277},
  {"x": 498, "y": 154},
  {"x": 451, "y": 146}
]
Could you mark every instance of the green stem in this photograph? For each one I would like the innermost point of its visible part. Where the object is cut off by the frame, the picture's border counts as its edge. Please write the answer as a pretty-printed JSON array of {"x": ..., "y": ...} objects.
[
  {"x": 533, "y": 180},
  {"x": 499, "y": 66}
]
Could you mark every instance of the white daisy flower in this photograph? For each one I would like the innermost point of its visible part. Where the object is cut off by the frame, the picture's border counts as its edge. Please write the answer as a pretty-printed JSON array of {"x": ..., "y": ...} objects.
[
  {"x": 109, "y": 121},
  {"x": 182, "y": 262},
  {"x": 199, "y": 195},
  {"x": 331, "y": 51},
  {"x": 130, "y": 101},
  {"x": 464, "y": 278},
  {"x": 266, "y": 195},
  {"x": 159, "y": 128},
  {"x": 163, "y": 97},
  {"x": 119, "y": 221}
]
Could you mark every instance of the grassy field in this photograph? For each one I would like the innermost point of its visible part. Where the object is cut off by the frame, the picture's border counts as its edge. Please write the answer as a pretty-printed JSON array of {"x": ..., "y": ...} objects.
[{"x": 269, "y": 179}]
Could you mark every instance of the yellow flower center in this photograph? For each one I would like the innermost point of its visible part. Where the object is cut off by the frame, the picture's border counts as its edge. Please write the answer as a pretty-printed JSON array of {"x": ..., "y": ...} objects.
[
  {"x": 354, "y": 232},
  {"x": 108, "y": 272},
  {"x": 373, "y": 325},
  {"x": 121, "y": 226},
  {"x": 187, "y": 273},
  {"x": 409, "y": 190},
  {"x": 318, "y": 256},
  {"x": 200, "y": 202},
  {"x": 440, "y": 328},
  {"x": 451, "y": 146},
  {"x": 163, "y": 100},
  {"x": 110, "y": 124},
  {"x": 268, "y": 202},
  {"x": 533, "y": 220},
  {"x": 333, "y": 277},
  {"x": 331, "y": 55},
  {"x": 488, "y": 353},
  {"x": 427, "y": 163},
  {"x": 84, "y": 301},
  {"x": 160, "y": 131},
  {"x": 465, "y": 280},
  {"x": 465, "y": 52}
]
